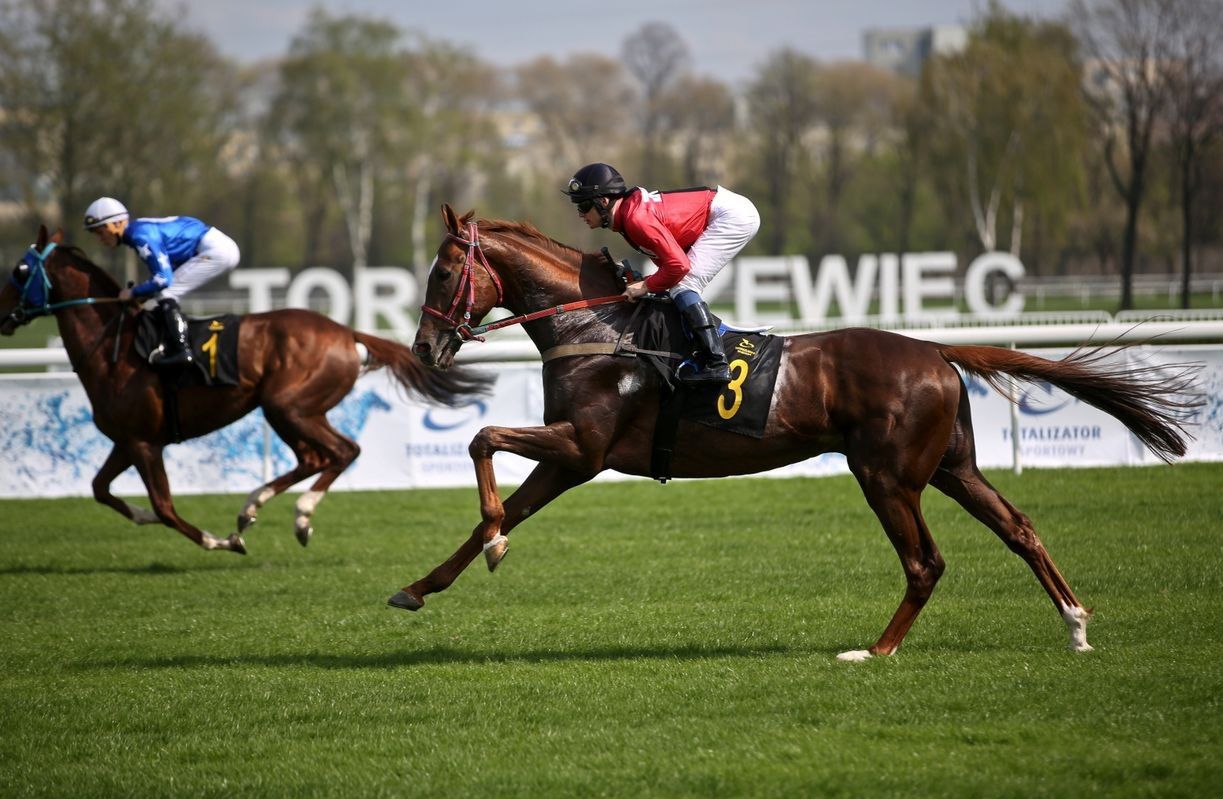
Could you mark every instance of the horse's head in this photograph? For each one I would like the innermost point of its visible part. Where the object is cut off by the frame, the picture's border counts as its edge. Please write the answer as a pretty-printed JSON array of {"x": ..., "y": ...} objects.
[
  {"x": 49, "y": 277},
  {"x": 28, "y": 289},
  {"x": 461, "y": 289}
]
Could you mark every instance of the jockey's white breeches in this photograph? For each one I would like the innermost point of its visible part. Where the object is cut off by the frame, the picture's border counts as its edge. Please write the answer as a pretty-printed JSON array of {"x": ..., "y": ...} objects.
[
  {"x": 216, "y": 255},
  {"x": 733, "y": 221}
]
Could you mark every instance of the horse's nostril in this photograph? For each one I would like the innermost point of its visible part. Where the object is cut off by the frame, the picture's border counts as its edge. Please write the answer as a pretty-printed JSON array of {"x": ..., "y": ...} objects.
[{"x": 420, "y": 349}]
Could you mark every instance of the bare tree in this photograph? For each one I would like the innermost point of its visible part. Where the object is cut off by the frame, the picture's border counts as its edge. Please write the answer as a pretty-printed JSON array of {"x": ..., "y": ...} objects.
[
  {"x": 1195, "y": 108},
  {"x": 783, "y": 111},
  {"x": 656, "y": 56},
  {"x": 579, "y": 103},
  {"x": 701, "y": 118},
  {"x": 1128, "y": 46}
]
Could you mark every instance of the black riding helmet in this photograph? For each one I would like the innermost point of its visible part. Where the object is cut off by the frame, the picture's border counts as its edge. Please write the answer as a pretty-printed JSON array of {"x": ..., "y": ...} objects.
[{"x": 593, "y": 181}]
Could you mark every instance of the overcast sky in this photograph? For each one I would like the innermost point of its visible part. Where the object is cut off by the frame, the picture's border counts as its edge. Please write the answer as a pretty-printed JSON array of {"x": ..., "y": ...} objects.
[{"x": 727, "y": 38}]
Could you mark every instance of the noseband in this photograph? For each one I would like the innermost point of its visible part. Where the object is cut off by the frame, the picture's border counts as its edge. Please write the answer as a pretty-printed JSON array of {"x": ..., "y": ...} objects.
[{"x": 466, "y": 290}]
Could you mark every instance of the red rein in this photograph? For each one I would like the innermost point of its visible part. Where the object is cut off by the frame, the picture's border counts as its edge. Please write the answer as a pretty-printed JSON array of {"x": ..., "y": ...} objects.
[{"x": 466, "y": 289}]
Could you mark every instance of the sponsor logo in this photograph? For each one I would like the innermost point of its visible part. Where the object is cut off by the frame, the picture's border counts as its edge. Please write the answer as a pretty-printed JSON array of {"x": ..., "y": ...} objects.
[{"x": 442, "y": 419}]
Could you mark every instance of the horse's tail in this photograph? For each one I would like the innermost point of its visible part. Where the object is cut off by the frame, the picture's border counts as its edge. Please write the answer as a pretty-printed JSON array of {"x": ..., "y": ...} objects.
[
  {"x": 1154, "y": 402},
  {"x": 450, "y": 387}
]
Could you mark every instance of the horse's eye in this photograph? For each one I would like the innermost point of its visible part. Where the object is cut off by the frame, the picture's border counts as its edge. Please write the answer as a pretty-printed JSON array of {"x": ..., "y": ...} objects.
[{"x": 441, "y": 275}]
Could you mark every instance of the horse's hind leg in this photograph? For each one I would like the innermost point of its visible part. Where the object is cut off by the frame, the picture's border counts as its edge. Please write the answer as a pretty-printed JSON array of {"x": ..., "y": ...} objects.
[
  {"x": 148, "y": 461},
  {"x": 319, "y": 448},
  {"x": 899, "y": 510},
  {"x": 964, "y": 483},
  {"x": 116, "y": 462}
]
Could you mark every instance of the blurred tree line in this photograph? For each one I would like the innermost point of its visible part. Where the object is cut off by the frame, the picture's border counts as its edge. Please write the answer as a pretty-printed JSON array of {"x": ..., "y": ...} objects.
[{"x": 1083, "y": 146}]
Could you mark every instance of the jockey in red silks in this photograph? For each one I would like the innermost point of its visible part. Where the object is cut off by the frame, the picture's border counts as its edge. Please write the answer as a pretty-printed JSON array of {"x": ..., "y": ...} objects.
[{"x": 689, "y": 234}]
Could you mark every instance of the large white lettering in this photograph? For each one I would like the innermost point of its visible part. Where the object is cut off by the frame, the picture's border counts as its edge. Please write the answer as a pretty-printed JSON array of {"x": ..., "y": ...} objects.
[{"x": 766, "y": 289}]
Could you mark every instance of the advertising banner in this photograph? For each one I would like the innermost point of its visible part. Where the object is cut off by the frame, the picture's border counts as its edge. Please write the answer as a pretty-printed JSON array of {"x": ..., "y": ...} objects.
[{"x": 52, "y": 448}]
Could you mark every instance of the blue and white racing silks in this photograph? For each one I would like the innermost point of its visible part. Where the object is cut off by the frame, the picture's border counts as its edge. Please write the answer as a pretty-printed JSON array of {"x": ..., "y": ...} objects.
[{"x": 164, "y": 244}]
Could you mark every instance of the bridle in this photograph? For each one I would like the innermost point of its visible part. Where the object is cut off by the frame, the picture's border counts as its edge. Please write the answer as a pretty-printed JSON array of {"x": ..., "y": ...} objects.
[
  {"x": 466, "y": 291},
  {"x": 36, "y": 289}
]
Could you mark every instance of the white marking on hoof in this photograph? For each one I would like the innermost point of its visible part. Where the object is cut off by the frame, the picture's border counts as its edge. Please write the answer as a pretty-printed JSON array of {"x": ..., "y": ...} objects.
[
  {"x": 305, "y": 506},
  {"x": 210, "y": 541},
  {"x": 854, "y": 656},
  {"x": 256, "y": 500},
  {"x": 1076, "y": 620},
  {"x": 495, "y": 549},
  {"x": 141, "y": 515}
]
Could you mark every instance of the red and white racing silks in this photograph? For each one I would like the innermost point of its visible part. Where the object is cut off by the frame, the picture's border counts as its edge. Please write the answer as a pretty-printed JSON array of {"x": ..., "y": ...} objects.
[{"x": 689, "y": 234}]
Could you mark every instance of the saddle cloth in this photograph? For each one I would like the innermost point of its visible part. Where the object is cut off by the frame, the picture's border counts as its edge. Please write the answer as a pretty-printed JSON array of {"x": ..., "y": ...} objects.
[
  {"x": 214, "y": 343},
  {"x": 742, "y": 406}
]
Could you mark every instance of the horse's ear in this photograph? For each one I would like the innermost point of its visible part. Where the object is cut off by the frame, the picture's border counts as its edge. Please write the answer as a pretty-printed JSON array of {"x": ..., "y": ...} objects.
[
  {"x": 41, "y": 242},
  {"x": 467, "y": 217},
  {"x": 58, "y": 235},
  {"x": 450, "y": 219}
]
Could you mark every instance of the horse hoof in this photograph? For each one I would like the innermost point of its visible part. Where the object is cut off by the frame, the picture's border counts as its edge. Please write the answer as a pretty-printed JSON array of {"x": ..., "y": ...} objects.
[
  {"x": 854, "y": 656},
  {"x": 495, "y": 550},
  {"x": 303, "y": 534},
  {"x": 236, "y": 544},
  {"x": 405, "y": 601},
  {"x": 244, "y": 522}
]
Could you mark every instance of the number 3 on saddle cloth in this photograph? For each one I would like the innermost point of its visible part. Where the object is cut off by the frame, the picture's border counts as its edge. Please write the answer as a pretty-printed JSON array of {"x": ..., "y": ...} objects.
[
  {"x": 214, "y": 345},
  {"x": 741, "y": 406}
]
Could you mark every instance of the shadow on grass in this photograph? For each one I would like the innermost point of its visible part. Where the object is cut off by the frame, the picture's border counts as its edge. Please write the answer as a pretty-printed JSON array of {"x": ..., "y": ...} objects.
[
  {"x": 442, "y": 656},
  {"x": 149, "y": 569}
]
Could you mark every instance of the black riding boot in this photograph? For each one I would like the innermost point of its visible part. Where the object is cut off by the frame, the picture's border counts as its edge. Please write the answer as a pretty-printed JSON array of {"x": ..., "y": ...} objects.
[
  {"x": 176, "y": 351},
  {"x": 710, "y": 355}
]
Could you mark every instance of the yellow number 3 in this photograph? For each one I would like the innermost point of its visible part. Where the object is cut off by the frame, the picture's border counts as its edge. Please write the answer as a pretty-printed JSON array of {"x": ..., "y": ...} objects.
[{"x": 735, "y": 387}]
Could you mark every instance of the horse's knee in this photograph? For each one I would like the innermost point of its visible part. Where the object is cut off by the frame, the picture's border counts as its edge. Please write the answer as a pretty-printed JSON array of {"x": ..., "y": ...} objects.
[
  {"x": 482, "y": 445},
  {"x": 349, "y": 452},
  {"x": 924, "y": 574}
]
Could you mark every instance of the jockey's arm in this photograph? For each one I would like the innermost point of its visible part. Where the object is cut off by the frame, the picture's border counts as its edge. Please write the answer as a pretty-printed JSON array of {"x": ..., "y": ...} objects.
[
  {"x": 158, "y": 262},
  {"x": 669, "y": 256}
]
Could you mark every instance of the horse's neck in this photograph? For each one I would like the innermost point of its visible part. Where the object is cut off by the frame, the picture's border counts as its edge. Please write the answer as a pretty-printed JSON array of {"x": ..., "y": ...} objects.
[
  {"x": 81, "y": 327},
  {"x": 548, "y": 285}
]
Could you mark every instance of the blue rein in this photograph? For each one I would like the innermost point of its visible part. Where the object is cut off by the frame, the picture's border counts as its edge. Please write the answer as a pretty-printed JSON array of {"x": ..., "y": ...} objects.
[{"x": 36, "y": 288}]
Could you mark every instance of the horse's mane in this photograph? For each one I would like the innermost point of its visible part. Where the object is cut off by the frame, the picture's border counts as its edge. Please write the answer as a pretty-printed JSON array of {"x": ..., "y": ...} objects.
[
  {"x": 530, "y": 232},
  {"x": 96, "y": 272}
]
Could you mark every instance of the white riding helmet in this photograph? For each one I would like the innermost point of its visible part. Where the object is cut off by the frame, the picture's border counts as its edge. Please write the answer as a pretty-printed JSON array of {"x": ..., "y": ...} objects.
[{"x": 103, "y": 210}]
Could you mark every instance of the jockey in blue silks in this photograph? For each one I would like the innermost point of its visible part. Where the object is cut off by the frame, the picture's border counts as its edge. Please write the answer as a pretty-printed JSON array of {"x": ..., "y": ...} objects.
[{"x": 182, "y": 254}]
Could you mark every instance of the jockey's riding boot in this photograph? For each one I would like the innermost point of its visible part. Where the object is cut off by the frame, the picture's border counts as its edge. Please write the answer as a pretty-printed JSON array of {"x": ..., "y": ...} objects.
[
  {"x": 712, "y": 358},
  {"x": 176, "y": 351}
]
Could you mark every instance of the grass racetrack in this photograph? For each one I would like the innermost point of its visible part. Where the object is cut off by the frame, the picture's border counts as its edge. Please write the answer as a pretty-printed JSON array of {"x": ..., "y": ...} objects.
[{"x": 639, "y": 640}]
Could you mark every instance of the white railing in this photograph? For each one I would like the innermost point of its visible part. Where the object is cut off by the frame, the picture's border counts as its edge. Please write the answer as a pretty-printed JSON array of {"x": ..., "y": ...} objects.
[{"x": 508, "y": 347}]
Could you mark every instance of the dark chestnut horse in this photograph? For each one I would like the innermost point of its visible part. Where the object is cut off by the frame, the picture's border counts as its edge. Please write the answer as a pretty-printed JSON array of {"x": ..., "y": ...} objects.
[
  {"x": 893, "y": 405},
  {"x": 295, "y": 364}
]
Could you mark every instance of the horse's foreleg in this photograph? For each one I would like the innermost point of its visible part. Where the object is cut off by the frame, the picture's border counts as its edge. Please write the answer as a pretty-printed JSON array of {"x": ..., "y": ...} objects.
[
  {"x": 547, "y": 481},
  {"x": 148, "y": 461},
  {"x": 116, "y": 462},
  {"x": 967, "y": 486},
  {"x": 554, "y": 444}
]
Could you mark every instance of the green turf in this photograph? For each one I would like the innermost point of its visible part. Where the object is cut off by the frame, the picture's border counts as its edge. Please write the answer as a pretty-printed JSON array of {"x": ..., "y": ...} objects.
[{"x": 639, "y": 640}]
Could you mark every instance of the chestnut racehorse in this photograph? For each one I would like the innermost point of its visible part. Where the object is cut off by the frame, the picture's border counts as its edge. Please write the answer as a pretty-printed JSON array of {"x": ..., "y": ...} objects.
[
  {"x": 894, "y": 406},
  {"x": 295, "y": 364}
]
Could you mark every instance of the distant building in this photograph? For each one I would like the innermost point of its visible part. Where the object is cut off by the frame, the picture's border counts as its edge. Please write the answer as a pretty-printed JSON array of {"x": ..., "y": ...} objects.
[{"x": 904, "y": 50}]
